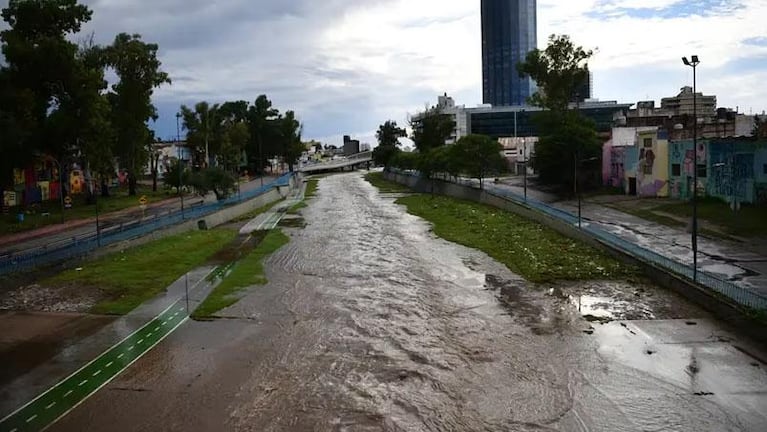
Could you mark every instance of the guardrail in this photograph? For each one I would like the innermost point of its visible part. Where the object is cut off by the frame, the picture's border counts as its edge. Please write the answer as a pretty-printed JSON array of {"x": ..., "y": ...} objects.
[
  {"x": 82, "y": 245},
  {"x": 738, "y": 294}
]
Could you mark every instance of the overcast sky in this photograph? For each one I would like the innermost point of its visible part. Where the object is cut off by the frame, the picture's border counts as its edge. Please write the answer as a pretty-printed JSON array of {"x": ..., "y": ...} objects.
[{"x": 345, "y": 66}]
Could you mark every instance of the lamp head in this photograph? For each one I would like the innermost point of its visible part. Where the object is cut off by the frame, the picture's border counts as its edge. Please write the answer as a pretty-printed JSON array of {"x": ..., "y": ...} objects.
[
  {"x": 685, "y": 61},
  {"x": 695, "y": 59}
]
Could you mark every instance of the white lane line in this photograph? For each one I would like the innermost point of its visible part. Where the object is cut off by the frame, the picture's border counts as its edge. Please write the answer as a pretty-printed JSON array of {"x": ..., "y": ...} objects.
[
  {"x": 181, "y": 309},
  {"x": 97, "y": 372},
  {"x": 121, "y": 355},
  {"x": 140, "y": 341},
  {"x": 68, "y": 393},
  {"x": 156, "y": 328},
  {"x": 29, "y": 420},
  {"x": 174, "y": 315},
  {"x": 108, "y": 365},
  {"x": 165, "y": 322},
  {"x": 130, "y": 348},
  {"x": 149, "y": 334},
  {"x": 82, "y": 383},
  {"x": 50, "y": 405},
  {"x": 14, "y": 430}
]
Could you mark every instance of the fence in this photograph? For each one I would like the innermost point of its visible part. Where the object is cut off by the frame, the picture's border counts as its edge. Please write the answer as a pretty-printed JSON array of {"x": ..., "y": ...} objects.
[
  {"x": 739, "y": 294},
  {"x": 80, "y": 246}
]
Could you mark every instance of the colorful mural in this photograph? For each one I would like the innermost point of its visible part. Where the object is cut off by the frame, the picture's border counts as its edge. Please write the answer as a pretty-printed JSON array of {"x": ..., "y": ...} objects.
[{"x": 613, "y": 172}]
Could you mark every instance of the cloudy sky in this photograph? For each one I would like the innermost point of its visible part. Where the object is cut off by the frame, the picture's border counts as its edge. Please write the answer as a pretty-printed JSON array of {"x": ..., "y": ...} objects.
[{"x": 345, "y": 66}]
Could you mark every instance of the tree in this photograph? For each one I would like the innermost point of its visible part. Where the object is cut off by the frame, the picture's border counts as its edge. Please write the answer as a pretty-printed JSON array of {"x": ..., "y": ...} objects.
[
  {"x": 432, "y": 129},
  {"x": 388, "y": 136},
  {"x": 567, "y": 138},
  {"x": 234, "y": 140},
  {"x": 261, "y": 119},
  {"x": 138, "y": 69},
  {"x": 204, "y": 132},
  {"x": 289, "y": 136},
  {"x": 39, "y": 74},
  {"x": 172, "y": 177},
  {"x": 481, "y": 155},
  {"x": 215, "y": 180},
  {"x": 559, "y": 71}
]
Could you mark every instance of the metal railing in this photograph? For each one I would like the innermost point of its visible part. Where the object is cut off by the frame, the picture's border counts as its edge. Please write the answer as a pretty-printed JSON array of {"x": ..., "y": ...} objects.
[
  {"x": 79, "y": 246},
  {"x": 741, "y": 295}
]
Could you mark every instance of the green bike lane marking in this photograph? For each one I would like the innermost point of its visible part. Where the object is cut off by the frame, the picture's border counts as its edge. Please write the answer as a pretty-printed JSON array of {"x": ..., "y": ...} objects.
[{"x": 60, "y": 399}]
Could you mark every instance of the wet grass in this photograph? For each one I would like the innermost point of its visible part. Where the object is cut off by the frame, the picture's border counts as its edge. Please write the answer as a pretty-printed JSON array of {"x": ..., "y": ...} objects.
[
  {"x": 377, "y": 179},
  {"x": 131, "y": 277},
  {"x": 49, "y": 212},
  {"x": 247, "y": 272},
  {"x": 537, "y": 253},
  {"x": 311, "y": 188},
  {"x": 253, "y": 214},
  {"x": 296, "y": 208}
]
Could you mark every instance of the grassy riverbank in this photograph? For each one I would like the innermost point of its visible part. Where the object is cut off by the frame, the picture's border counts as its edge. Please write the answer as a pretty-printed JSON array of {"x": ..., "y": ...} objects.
[{"x": 537, "y": 253}]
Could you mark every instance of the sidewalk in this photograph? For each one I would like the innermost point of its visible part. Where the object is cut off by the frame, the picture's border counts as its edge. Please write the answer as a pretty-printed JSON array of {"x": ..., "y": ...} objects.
[{"x": 727, "y": 259}]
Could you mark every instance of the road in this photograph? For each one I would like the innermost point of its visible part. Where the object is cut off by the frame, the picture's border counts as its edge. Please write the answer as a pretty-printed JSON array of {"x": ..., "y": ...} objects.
[
  {"x": 371, "y": 323},
  {"x": 114, "y": 220}
]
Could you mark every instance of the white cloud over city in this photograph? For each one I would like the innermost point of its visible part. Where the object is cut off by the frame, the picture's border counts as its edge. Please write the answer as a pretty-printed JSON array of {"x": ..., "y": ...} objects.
[{"x": 346, "y": 66}]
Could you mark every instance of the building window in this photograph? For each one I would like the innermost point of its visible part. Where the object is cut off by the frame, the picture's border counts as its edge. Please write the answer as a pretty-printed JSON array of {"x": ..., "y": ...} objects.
[
  {"x": 676, "y": 170},
  {"x": 702, "y": 171},
  {"x": 647, "y": 142}
]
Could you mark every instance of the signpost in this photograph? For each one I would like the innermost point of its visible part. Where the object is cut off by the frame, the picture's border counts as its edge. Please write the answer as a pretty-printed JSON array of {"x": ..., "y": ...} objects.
[
  {"x": 142, "y": 203},
  {"x": 68, "y": 202}
]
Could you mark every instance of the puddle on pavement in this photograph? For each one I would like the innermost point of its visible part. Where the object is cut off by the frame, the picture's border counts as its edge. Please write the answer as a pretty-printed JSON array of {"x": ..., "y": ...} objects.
[{"x": 237, "y": 248}]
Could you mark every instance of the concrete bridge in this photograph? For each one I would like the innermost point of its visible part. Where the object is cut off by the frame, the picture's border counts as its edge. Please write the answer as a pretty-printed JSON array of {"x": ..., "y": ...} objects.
[{"x": 364, "y": 159}]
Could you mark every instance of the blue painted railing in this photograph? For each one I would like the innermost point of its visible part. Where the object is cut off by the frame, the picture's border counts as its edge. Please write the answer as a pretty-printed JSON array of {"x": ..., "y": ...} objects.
[
  {"x": 81, "y": 246},
  {"x": 739, "y": 294}
]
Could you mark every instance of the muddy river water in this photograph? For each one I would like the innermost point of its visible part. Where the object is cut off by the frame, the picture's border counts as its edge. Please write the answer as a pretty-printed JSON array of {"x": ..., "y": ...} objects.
[{"x": 371, "y": 323}]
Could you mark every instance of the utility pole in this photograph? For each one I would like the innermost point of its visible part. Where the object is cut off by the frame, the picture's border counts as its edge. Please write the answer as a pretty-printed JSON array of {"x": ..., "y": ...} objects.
[
  {"x": 180, "y": 167},
  {"x": 694, "y": 65}
]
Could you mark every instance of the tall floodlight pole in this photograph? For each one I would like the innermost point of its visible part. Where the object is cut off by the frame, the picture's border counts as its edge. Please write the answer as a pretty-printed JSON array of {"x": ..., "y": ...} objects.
[
  {"x": 693, "y": 63},
  {"x": 180, "y": 169}
]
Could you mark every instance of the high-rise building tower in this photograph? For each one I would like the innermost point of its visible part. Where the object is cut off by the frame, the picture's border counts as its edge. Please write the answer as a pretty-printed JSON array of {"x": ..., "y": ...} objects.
[{"x": 509, "y": 32}]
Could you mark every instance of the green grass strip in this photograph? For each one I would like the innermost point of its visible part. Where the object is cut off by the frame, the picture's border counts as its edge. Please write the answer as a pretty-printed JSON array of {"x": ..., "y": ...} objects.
[
  {"x": 247, "y": 272},
  {"x": 311, "y": 188},
  {"x": 386, "y": 186},
  {"x": 134, "y": 276},
  {"x": 537, "y": 253}
]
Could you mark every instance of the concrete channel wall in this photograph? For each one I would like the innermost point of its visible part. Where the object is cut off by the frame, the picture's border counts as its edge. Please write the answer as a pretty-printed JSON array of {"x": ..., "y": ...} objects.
[
  {"x": 211, "y": 221},
  {"x": 717, "y": 304}
]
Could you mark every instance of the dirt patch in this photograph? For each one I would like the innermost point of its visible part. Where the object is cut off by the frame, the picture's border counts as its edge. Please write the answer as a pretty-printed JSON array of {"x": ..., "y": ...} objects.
[
  {"x": 54, "y": 298},
  {"x": 32, "y": 338}
]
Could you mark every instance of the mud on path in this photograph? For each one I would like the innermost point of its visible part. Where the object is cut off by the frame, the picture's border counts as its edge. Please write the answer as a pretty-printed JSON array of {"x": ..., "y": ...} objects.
[{"x": 371, "y": 323}]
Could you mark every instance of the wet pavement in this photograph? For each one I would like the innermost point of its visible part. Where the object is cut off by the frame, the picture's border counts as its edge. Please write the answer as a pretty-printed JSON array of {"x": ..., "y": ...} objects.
[{"x": 371, "y": 323}]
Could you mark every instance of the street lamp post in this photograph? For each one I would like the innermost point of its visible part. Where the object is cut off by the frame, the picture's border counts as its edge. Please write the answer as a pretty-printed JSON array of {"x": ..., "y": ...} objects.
[
  {"x": 693, "y": 63},
  {"x": 178, "y": 143},
  {"x": 578, "y": 162}
]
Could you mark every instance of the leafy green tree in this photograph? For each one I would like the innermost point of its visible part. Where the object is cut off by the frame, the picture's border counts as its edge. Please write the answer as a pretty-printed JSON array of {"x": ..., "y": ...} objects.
[
  {"x": 559, "y": 71},
  {"x": 432, "y": 129},
  {"x": 234, "y": 140},
  {"x": 289, "y": 137},
  {"x": 39, "y": 74},
  {"x": 263, "y": 128},
  {"x": 136, "y": 65},
  {"x": 171, "y": 177},
  {"x": 481, "y": 155},
  {"x": 567, "y": 138},
  {"x": 388, "y": 136},
  {"x": 215, "y": 180},
  {"x": 204, "y": 131}
]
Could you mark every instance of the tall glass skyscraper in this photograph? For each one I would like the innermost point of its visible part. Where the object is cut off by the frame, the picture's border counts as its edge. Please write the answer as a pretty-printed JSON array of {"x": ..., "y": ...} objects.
[{"x": 509, "y": 32}]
